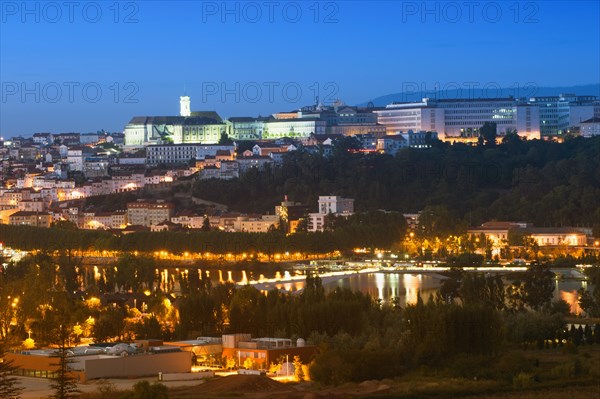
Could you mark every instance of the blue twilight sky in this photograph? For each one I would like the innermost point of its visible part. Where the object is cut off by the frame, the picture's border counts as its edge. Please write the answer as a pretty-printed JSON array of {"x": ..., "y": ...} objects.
[{"x": 85, "y": 66}]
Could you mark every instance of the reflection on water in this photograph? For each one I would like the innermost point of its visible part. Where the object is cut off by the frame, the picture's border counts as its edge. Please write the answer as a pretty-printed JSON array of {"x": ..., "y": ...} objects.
[
  {"x": 572, "y": 298},
  {"x": 412, "y": 285},
  {"x": 291, "y": 286},
  {"x": 379, "y": 285},
  {"x": 387, "y": 286},
  {"x": 406, "y": 287},
  {"x": 567, "y": 291}
]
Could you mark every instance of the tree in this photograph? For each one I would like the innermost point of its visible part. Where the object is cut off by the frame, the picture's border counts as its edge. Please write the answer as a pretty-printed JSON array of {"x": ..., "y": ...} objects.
[
  {"x": 589, "y": 300},
  {"x": 230, "y": 362},
  {"x": 487, "y": 134},
  {"x": 205, "y": 224},
  {"x": 438, "y": 221},
  {"x": 561, "y": 307},
  {"x": 298, "y": 371},
  {"x": 7, "y": 306},
  {"x": 477, "y": 289},
  {"x": 515, "y": 296},
  {"x": 9, "y": 385},
  {"x": 449, "y": 289},
  {"x": 313, "y": 289},
  {"x": 343, "y": 145},
  {"x": 65, "y": 225},
  {"x": 225, "y": 140},
  {"x": 64, "y": 384},
  {"x": 302, "y": 226},
  {"x": 249, "y": 363},
  {"x": 148, "y": 328},
  {"x": 511, "y": 139},
  {"x": 329, "y": 224},
  {"x": 538, "y": 286},
  {"x": 110, "y": 324}
]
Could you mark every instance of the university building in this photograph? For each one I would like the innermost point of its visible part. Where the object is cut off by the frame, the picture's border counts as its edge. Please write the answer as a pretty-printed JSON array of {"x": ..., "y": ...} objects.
[
  {"x": 559, "y": 113},
  {"x": 461, "y": 119},
  {"x": 188, "y": 127}
]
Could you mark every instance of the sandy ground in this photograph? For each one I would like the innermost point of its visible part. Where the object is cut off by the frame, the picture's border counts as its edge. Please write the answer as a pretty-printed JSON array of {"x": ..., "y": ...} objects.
[{"x": 40, "y": 387}]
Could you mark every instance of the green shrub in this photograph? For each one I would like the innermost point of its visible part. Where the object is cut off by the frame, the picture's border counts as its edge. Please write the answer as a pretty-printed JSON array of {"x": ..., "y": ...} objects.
[
  {"x": 570, "y": 348},
  {"x": 143, "y": 390},
  {"x": 566, "y": 370},
  {"x": 330, "y": 368},
  {"x": 466, "y": 366},
  {"x": 523, "y": 380},
  {"x": 512, "y": 364}
]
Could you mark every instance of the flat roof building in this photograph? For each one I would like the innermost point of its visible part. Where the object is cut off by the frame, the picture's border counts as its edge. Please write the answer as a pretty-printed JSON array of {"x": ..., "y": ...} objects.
[{"x": 461, "y": 119}]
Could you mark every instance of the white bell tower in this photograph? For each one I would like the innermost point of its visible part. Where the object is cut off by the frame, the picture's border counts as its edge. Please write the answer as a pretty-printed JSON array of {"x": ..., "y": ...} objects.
[{"x": 184, "y": 106}]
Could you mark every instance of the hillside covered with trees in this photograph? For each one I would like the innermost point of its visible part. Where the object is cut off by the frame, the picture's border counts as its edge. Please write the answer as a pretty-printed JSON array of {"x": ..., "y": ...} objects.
[{"x": 546, "y": 183}]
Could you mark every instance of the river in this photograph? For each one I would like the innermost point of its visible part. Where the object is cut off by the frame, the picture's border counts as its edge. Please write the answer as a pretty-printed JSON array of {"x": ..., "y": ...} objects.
[
  {"x": 404, "y": 286},
  {"x": 379, "y": 285}
]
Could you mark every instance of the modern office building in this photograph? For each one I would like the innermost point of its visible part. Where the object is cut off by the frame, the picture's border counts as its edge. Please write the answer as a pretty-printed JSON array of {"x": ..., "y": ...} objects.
[
  {"x": 461, "y": 119},
  {"x": 559, "y": 113}
]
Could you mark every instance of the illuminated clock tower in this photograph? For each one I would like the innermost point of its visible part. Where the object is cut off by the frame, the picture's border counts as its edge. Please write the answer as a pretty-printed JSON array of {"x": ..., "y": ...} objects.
[{"x": 184, "y": 106}]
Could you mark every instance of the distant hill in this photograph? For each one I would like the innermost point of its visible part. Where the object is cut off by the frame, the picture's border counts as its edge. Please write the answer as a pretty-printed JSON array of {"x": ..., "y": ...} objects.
[{"x": 527, "y": 91}]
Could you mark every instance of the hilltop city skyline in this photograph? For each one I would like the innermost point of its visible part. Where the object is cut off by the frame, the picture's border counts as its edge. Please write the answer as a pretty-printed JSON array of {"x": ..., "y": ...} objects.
[
  {"x": 415, "y": 93},
  {"x": 97, "y": 65}
]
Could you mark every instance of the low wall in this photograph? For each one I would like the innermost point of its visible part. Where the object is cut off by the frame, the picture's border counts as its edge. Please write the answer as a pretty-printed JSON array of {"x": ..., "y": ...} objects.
[{"x": 186, "y": 376}]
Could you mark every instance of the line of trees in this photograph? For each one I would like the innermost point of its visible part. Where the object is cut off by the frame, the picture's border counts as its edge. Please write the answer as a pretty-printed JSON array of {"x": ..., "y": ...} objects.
[{"x": 372, "y": 230}]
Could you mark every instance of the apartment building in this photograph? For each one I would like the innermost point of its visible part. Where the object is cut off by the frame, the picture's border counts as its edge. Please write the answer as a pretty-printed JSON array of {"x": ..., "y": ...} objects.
[{"x": 148, "y": 212}]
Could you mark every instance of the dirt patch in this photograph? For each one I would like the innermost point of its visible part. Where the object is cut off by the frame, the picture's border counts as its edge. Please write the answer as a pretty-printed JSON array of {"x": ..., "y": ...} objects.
[
  {"x": 241, "y": 384},
  {"x": 557, "y": 393}
]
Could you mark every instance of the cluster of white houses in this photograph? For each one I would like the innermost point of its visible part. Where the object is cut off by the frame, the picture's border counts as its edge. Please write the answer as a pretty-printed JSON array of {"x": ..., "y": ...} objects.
[
  {"x": 451, "y": 119},
  {"x": 160, "y": 215}
]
